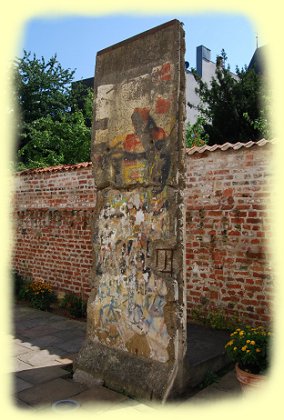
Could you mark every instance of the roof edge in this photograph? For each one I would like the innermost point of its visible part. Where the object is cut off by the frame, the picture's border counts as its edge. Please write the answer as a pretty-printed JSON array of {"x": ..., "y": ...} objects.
[
  {"x": 189, "y": 151},
  {"x": 57, "y": 168},
  {"x": 226, "y": 146}
]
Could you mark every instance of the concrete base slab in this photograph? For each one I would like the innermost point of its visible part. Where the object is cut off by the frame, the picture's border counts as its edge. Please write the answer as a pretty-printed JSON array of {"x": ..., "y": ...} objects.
[
  {"x": 120, "y": 371},
  {"x": 86, "y": 378}
]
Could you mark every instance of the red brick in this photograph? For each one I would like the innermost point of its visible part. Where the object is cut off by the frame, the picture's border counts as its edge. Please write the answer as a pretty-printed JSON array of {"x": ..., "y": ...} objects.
[{"x": 58, "y": 244}]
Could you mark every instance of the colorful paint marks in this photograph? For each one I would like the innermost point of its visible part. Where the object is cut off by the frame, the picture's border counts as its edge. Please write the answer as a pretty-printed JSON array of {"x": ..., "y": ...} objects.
[
  {"x": 133, "y": 147},
  {"x": 133, "y": 150},
  {"x": 129, "y": 305}
]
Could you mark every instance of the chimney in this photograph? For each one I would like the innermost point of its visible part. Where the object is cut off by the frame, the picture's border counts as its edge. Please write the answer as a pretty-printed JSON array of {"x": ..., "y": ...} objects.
[{"x": 202, "y": 53}]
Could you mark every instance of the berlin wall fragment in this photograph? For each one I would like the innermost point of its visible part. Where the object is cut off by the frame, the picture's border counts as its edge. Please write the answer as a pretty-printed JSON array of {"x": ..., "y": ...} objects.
[{"x": 136, "y": 314}]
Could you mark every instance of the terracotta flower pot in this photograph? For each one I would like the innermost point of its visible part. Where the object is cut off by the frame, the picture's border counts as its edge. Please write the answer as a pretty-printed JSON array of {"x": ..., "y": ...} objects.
[{"x": 249, "y": 380}]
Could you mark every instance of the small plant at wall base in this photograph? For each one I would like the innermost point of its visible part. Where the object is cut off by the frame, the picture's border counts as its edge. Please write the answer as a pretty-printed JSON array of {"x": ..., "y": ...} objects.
[
  {"x": 74, "y": 304},
  {"x": 18, "y": 284},
  {"x": 214, "y": 317},
  {"x": 249, "y": 348},
  {"x": 39, "y": 294}
]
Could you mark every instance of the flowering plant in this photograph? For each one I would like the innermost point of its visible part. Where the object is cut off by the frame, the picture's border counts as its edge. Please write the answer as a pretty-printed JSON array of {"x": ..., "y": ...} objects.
[
  {"x": 249, "y": 348},
  {"x": 39, "y": 294}
]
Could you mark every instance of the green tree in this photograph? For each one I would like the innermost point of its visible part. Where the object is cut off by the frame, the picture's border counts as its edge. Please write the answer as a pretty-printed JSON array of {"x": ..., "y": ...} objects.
[
  {"x": 232, "y": 106},
  {"x": 195, "y": 134},
  {"x": 55, "y": 117}
]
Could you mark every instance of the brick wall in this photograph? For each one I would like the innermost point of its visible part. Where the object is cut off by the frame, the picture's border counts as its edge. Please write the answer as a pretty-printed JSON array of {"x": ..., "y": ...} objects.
[
  {"x": 227, "y": 227},
  {"x": 53, "y": 211}
]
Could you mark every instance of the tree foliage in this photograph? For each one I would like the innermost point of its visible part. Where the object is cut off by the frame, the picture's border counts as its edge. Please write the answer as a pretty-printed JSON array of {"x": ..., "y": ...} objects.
[
  {"x": 55, "y": 117},
  {"x": 233, "y": 107},
  {"x": 195, "y": 134}
]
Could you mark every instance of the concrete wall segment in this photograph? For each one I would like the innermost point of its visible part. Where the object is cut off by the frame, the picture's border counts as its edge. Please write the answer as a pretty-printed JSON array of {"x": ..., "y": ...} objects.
[{"x": 137, "y": 306}]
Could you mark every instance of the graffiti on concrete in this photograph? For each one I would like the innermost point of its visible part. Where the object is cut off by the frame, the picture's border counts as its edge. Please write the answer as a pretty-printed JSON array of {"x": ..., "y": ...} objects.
[
  {"x": 129, "y": 305},
  {"x": 145, "y": 153},
  {"x": 134, "y": 147},
  {"x": 136, "y": 318}
]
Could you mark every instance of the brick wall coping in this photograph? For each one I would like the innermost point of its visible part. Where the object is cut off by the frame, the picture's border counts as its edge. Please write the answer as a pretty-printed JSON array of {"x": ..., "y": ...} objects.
[
  {"x": 58, "y": 168},
  {"x": 226, "y": 146},
  {"x": 189, "y": 151}
]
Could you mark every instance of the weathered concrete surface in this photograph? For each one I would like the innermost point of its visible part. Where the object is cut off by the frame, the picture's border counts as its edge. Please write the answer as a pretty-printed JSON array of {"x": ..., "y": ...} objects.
[{"x": 136, "y": 314}]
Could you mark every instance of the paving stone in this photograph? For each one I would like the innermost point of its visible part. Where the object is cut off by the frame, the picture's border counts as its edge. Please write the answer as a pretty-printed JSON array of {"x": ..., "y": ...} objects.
[
  {"x": 56, "y": 318},
  {"x": 21, "y": 331},
  {"x": 31, "y": 323},
  {"x": 67, "y": 359},
  {"x": 67, "y": 324},
  {"x": 51, "y": 391},
  {"x": 46, "y": 341},
  {"x": 226, "y": 387},
  {"x": 19, "y": 349},
  {"x": 228, "y": 383},
  {"x": 20, "y": 384},
  {"x": 145, "y": 408},
  {"x": 65, "y": 335},
  {"x": 20, "y": 310},
  {"x": 101, "y": 394},
  {"x": 39, "y": 358},
  {"x": 39, "y": 331},
  {"x": 20, "y": 404},
  {"x": 20, "y": 365},
  {"x": 44, "y": 374},
  {"x": 72, "y": 346},
  {"x": 24, "y": 342},
  {"x": 58, "y": 352}
]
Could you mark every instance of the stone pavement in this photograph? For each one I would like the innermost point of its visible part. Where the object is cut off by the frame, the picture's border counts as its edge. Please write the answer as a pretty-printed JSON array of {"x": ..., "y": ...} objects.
[{"x": 45, "y": 345}]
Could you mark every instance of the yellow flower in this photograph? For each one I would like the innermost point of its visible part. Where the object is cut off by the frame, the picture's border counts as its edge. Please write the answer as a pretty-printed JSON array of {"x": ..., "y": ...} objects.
[
  {"x": 229, "y": 343},
  {"x": 241, "y": 333},
  {"x": 248, "y": 351},
  {"x": 248, "y": 341},
  {"x": 258, "y": 350},
  {"x": 244, "y": 348},
  {"x": 235, "y": 348},
  {"x": 252, "y": 343}
]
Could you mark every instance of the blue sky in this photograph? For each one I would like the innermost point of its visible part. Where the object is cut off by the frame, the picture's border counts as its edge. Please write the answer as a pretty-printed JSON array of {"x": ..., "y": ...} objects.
[{"x": 77, "y": 39}]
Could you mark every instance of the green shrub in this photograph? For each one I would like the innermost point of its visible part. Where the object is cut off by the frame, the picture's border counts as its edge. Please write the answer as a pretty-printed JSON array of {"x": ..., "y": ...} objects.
[
  {"x": 39, "y": 294},
  {"x": 74, "y": 304}
]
